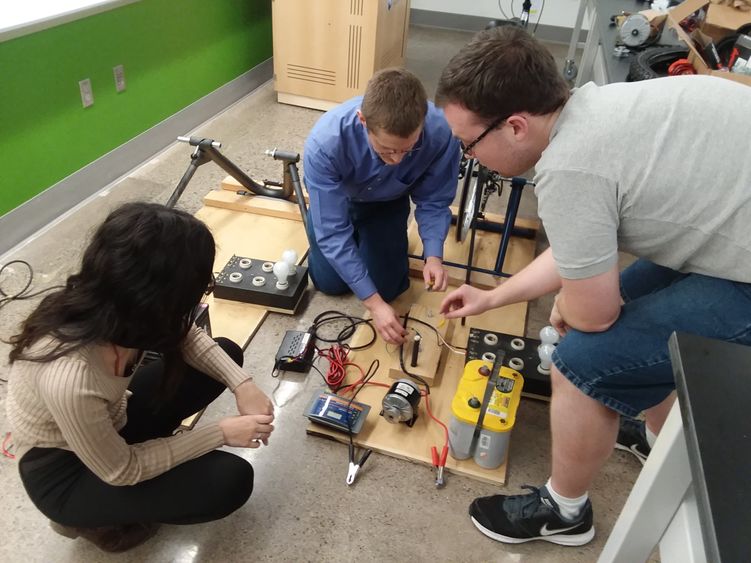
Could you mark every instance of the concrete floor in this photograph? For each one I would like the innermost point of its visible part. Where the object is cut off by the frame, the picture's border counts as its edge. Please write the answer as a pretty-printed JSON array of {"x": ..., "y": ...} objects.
[{"x": 301, "y": 509}]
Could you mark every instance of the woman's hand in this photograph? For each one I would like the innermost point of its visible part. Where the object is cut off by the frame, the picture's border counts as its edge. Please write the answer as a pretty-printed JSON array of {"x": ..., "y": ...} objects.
[
  {"x": 247, "y": 431},
  {"x": 465, "y": 302},
  {"x": 251, "y": 400}
]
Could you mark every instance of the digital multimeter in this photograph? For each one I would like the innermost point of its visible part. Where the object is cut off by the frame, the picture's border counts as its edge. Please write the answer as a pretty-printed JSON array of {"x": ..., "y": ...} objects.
[{"x": 337, "y": 412}]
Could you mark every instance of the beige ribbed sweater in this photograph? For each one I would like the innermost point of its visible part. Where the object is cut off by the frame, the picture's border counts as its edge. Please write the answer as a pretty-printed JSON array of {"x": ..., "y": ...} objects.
[{"x": 77, "y": 403}]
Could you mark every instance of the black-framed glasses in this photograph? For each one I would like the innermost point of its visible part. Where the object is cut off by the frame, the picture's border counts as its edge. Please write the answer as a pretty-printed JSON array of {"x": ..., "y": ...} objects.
[
  {"x": 466, "y": 149},
  {"x": 212, "y": 284},
  {"x": 393, "y": 152}
]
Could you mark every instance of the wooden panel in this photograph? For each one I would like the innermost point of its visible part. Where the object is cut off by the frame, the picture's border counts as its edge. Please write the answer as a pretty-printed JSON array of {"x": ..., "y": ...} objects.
[
  {"x": 327, "y": 50},
  {"x": 391, "y": 33},
  {"x": 260, "y": 205},
  {"x": 414, "y": 443},
  {"x": 431, "y": 351}
]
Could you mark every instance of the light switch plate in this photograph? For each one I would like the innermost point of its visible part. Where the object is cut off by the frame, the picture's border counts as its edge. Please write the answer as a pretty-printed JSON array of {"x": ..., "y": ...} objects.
[
  {"x": 87, "y": 94},
  {"x": 119, "y": 72}
]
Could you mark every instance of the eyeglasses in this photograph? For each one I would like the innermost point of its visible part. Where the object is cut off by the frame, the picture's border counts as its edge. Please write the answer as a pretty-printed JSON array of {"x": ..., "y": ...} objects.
[
  {"x": 416, "y": 147},
  {"x": 395, "y": 153},
  {"x": 212, "y": 284},
  {"x": 467, "y": 149}
]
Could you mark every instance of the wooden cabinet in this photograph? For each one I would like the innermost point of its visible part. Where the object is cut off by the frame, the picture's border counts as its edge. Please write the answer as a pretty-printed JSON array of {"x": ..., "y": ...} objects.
[{"x": 326, "y": 50}]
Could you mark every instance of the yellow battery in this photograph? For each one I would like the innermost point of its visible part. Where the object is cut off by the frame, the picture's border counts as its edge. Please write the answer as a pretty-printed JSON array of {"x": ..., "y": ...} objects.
[{"x": 489, "y": 445}]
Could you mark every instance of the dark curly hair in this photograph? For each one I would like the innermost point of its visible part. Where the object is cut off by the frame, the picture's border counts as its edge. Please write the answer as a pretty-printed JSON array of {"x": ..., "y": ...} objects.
[{"x": 143, "y": 273}]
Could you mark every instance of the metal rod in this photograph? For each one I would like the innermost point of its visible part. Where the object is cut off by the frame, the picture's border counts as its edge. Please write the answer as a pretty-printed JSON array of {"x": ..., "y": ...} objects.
[
  {"x": 292, "y": 168},
  {"x": 196, "y": 159},
  {"x": 231, "y": 168},
  {"x": 514, "y": 198},
  {"x": 415, "y": 350},
  {"x": 496, "y": 227}
]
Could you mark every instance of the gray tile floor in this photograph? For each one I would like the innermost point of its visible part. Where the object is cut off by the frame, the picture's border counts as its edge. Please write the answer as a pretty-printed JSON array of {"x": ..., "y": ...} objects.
[{"x": 301, "y": 510}]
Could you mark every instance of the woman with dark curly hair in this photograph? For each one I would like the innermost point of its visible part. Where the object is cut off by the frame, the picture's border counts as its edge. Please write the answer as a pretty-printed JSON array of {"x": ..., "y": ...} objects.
[{"x": 93, "y": 428}]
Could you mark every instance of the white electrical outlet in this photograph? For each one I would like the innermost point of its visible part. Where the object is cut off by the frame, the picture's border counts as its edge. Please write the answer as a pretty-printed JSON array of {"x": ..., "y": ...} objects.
[
  {"x": 87, "y": 94},
  {"x": 119, "y": 72}
]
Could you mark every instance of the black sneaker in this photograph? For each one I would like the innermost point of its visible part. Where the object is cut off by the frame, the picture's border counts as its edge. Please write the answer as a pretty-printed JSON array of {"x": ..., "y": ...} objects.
[
  {"x": 532, "y": 516},
  {"x": 632, "y": 438}
]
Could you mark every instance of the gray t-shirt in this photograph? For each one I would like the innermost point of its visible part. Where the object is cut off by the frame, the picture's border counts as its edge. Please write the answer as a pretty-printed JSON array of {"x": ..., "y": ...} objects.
[{"x": 659, "y": 168}]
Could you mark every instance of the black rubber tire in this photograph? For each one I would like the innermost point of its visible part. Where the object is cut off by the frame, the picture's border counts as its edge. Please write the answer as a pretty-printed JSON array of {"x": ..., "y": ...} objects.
[
  {"x": 725, "y": 47},
  {"x": 654, "y": 62}
]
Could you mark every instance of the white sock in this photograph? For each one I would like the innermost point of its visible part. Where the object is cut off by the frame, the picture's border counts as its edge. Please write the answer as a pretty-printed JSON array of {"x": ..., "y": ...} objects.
[
  {"x": 651, "y": 437},
  {"x": 569, "y": 507}
]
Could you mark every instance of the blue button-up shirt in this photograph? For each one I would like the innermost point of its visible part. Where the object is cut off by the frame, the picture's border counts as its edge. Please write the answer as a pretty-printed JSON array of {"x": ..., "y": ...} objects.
[{"x": 340, "y": 166}]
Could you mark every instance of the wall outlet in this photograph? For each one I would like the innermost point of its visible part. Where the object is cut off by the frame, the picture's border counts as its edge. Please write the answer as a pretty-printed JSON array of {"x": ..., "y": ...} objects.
[
  {"x": 119, "y": 72},
  {"x": 87, "y": 94}
]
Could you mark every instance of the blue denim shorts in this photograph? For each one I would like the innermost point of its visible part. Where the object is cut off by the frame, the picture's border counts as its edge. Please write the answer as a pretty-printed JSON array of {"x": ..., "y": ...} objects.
[{"x": 627, "y": 368}]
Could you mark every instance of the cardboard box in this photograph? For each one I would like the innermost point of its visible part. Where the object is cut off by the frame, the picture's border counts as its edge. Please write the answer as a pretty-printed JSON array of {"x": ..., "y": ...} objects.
[
  {"x": 735, "y": 20},
  {"x": 724, "y": 20}
]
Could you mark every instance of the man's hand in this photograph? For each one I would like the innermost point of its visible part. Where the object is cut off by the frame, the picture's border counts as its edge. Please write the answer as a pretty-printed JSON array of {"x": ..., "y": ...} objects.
[
  {"x": 465, "y": 302},
  {"x": 435, "y": 275},
  {"x": 556, "y": 320},
  {"x": 385, "y": 319},
  {"x": 251, "y": 400},
  {"x": 247, "y": 431}
]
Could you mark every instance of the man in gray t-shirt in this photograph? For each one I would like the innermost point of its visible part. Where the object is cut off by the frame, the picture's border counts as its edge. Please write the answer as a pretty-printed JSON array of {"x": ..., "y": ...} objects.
[{"x": 659, "y": 169}]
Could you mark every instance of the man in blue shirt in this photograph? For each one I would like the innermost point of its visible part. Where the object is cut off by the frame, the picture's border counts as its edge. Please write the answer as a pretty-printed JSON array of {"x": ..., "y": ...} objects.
[{"x": 363, "y": 161}]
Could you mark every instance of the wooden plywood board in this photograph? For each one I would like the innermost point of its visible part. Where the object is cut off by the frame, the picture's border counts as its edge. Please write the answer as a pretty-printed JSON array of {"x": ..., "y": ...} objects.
[
  {"x": 414, "y": 443},
  {"x": 431, "y": 352},
  {"x": 252, "y": 235},
  {"x": 259, "y": 205},
  {"x": 518, "y": 255}
]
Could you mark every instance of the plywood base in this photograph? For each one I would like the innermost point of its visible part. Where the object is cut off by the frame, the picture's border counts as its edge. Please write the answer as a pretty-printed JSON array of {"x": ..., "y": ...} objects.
[
  {"x": 257, "y": 204},
  {"x": 414, "y": 443}
]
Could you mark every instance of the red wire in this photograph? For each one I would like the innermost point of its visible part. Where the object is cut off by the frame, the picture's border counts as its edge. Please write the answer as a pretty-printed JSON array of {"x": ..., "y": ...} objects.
[
  {"x": 6, "y": 452},
  {"x": 445, "y": 430},
  {"x": 337, "y": 372},
  {"x": 337, "y": 358}
]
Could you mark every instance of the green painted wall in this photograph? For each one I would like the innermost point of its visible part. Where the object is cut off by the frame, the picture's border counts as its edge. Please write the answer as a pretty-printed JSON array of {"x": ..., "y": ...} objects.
[{"x": 174, "y": 52}]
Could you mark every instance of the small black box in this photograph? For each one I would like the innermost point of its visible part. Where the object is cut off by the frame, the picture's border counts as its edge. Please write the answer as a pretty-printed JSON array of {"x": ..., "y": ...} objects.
[
  {"x": 295, "y": 352},
  {"x": 252, "y": 281}
]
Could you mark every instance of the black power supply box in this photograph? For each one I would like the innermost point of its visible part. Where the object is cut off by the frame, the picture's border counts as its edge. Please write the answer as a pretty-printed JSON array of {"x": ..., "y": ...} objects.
[{"x": 295, "y": 352}]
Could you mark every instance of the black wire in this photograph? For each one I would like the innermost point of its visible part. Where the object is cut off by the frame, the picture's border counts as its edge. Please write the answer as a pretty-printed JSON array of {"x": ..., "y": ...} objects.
[
  {"x": 512, "y": 9},
  {"x": 502, "y": 11},
  {"x": 401, "y": 359},
  {"x": 434, "y": 329},
  {"x": 21, "y": 295},
  {"x": 538, "y": 17},
  {"x": 344, "y": 334},
  {"x": 372, "y": 369}
]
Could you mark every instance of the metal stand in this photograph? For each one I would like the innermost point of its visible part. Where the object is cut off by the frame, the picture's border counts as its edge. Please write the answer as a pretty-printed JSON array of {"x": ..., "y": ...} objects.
[
  {"x": 487, "y": 183},
  {"x": 206, "y": 151}
]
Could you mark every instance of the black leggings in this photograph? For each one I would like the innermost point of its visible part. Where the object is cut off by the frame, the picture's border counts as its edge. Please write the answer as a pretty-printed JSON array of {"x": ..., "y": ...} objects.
[{"x": 200, "y": 490}]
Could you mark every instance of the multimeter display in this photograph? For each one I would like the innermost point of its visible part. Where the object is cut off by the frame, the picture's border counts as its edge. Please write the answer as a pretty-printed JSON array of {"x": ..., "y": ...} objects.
[{"x": 337, "y": 412}]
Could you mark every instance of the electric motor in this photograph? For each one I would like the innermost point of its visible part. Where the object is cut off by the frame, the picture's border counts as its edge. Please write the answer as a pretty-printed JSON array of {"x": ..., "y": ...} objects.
[{"x": 400, "y": 403}]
